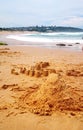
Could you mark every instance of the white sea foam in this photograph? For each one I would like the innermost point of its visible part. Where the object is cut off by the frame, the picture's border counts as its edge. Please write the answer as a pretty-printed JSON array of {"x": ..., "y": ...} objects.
[
  {"x": 63, "y": 33},
  {"x": 30, "y": 39},
  {"x": 50, "y": 40},
  {"x": 44, "y": 37}
]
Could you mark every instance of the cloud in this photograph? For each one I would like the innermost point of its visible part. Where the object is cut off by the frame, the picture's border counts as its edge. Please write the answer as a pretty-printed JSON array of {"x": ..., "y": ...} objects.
[
  {"x": 73, "y": 21},
  {"x": 41, "y": 12}
]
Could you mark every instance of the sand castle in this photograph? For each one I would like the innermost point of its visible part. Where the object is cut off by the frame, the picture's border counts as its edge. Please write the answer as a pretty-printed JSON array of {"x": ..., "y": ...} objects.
[
  {"x": 52, "y": 95},
  {"x": 14, "y": 72},
  {"x": 39, "y": 70},
  {"x": 73, "y": 72}
]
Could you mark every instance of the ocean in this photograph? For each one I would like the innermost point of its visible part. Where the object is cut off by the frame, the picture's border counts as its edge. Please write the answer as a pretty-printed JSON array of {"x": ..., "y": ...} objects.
[{"x": 71, "y": 40}]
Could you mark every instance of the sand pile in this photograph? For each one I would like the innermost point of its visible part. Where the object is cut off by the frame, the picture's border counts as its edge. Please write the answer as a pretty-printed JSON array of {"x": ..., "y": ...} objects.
[{"x": 53, "y": 95}]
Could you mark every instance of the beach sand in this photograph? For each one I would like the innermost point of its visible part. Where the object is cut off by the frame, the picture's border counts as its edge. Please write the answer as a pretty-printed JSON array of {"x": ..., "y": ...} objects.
[{"x": 40, "y": 89}]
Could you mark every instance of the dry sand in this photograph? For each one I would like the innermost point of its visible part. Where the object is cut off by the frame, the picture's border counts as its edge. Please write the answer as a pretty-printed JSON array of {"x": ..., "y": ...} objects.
[{"x": 40, "y": 89}]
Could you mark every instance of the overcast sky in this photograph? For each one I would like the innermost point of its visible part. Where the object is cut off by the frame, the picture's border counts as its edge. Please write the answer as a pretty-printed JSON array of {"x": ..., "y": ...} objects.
[{"x": 41, "y": 12}]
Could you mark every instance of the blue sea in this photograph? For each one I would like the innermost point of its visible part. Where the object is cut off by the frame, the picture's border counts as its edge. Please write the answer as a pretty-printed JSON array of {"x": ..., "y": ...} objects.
[{"x": 72, "y": 40}]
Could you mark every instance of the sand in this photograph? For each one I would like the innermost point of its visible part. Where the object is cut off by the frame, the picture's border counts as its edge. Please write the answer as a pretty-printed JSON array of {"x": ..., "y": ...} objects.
[{"x": 40, "y": 89}]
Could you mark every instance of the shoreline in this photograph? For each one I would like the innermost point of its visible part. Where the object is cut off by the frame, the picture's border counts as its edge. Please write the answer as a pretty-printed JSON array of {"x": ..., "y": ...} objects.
[{"x": 48, "y": 45}]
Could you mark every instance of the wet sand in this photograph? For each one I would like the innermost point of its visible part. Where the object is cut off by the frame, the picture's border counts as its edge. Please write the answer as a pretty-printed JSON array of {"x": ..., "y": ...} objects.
[{"x": 40, "y": 89}]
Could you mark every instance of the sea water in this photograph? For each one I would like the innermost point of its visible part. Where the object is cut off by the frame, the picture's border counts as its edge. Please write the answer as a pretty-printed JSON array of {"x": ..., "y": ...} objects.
[{"x": 73, "y": 40}]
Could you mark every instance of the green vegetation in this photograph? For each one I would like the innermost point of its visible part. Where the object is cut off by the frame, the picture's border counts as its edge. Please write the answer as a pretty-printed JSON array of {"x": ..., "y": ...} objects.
[
  {"x": 2, "y": 43},
  {"x": 43, "y": 29}
]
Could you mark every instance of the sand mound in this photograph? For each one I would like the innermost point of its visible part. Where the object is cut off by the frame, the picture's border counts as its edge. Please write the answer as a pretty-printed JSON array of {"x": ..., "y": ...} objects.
[{"x": 53, "y": 95}]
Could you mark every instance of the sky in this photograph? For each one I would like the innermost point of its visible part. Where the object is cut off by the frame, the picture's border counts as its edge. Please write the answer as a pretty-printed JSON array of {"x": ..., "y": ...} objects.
[{"x": 22, "y": 13}]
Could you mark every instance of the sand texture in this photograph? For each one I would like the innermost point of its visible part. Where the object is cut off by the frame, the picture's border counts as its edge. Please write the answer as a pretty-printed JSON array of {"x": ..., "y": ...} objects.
[{"x": 40, "y": 89}]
